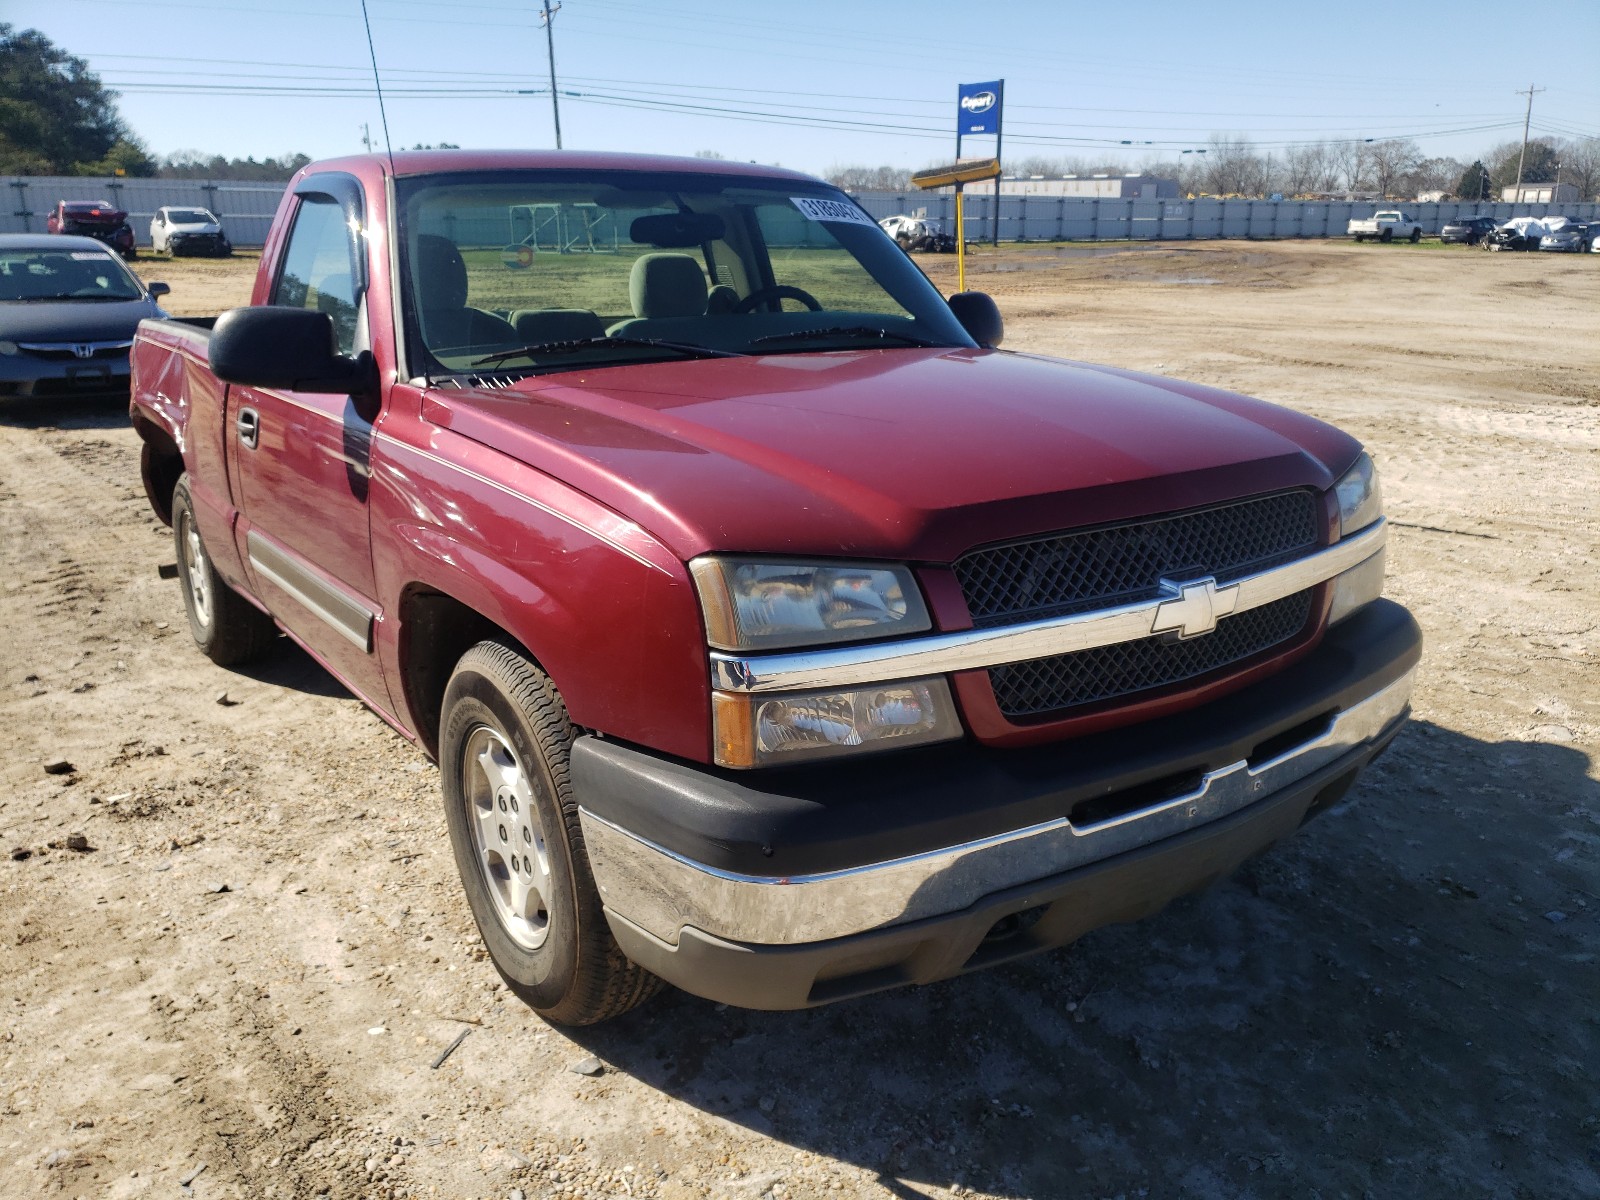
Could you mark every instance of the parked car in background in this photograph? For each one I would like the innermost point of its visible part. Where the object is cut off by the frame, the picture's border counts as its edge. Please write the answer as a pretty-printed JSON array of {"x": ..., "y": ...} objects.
[
  {"x": 1466, "y": 230},
  {"x": 918, "y": 233},
  {"x": 177, "y": 230},
  {"x": 1572, "y": 237},
  {"x": 68, "y": 310},
  {"x": 1386, "y": 226},
  {"x": 98, "y": 219},
  {"x": 1519, "y": 233}
]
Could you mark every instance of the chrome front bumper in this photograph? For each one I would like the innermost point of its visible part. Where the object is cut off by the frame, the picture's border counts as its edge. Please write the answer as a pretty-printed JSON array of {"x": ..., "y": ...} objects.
[{"x": 661, "y": 892}]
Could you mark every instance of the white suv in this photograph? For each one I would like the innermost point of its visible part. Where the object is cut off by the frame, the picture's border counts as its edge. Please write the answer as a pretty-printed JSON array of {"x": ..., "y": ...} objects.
[{"x": 177, "y": 230}]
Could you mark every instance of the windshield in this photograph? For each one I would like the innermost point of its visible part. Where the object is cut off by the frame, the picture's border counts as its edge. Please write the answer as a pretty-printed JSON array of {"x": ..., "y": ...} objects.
[
  {"x": 65, "y": 275},
  {"x": 190, "y": 216},
  {"x": 578, "y": 268}
]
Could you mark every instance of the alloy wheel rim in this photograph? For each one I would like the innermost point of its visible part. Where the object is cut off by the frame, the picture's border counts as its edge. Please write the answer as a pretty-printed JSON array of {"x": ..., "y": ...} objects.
[
  {"x": 508, "y": 839},
  {"x": 194, "y": 569}
]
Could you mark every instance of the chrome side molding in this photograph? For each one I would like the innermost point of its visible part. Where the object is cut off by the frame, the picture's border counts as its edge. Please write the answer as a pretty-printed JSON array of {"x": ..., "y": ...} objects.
[{"x": 347, "y": 617}]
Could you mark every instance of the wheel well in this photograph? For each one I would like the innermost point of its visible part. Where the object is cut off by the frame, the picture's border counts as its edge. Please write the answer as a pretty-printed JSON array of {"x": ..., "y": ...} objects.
[
  {"x": 161, "y": 466},
  {"x": 435, "y": 631}
]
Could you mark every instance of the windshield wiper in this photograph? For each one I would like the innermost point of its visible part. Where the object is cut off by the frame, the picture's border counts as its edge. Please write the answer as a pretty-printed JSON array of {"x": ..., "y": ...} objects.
[
  {"x": 576, "y": 345},
  {"x": 867, "y": 331}
]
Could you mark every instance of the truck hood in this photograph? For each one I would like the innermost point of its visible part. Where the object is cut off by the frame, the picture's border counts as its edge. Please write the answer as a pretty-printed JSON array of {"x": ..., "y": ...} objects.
[{"x": 889, "y": 453}]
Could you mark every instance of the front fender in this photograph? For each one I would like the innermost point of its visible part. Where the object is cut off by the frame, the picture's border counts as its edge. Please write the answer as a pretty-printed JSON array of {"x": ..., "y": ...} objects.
[{"x": 608, "y": 613}]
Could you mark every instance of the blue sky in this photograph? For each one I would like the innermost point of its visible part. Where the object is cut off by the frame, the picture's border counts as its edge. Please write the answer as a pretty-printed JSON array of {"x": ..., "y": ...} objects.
[{"x": 830, "y": 82}]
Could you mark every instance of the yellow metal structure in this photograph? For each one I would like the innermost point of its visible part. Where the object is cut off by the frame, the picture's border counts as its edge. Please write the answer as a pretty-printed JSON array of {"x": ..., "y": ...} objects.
[{"x": 956, "y": 175}]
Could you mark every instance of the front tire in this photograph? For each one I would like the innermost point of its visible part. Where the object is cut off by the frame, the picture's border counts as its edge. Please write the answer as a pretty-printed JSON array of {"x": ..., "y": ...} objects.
[
  {"x": 504, "y": 749},
  {"x": 227, "y": 627}
]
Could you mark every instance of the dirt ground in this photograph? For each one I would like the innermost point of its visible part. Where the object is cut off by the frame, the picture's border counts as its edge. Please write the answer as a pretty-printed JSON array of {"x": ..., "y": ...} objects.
[{"x": 257, "y": 963}]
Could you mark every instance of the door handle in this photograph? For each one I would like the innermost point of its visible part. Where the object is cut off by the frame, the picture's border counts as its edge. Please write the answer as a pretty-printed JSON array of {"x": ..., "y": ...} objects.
[{"x": 249, "y": 426}]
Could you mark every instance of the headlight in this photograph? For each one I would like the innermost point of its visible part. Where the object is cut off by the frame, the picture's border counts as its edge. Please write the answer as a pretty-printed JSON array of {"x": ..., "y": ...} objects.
[
  {"x": 1360, "y": 498},
  {"x": 758, "y": 605},
  {"x": 8, "y": 347},
  {"x": 1360, "y": 504},
  {"x": 769, "y": 731}
]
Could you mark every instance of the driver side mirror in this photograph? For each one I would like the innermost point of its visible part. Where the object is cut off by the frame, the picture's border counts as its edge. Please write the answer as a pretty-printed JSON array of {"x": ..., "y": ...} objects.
[
  {"x": 980, "y": 317},
  {"x": 157, "y": 288},
  {"x": 291, "y": 349}
]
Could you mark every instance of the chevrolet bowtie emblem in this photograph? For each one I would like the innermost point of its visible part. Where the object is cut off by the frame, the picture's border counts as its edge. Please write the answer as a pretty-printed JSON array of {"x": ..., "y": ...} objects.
[{"x": 1194, "y": 607}]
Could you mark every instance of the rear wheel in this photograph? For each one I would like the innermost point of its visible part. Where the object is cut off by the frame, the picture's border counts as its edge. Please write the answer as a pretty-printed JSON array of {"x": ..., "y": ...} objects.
[
  {"x": 1386, "y": 236},
  {"x": 513, "y": 819},
  {"x": 1416, "y": 236},
  {"x": 227, "y": 627}
]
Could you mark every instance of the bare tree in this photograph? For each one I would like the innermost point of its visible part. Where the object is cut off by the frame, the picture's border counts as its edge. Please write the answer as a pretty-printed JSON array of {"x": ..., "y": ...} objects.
[
  {"x": 1580, "y": 166},
  {"x": 1389, "y": 161},
  {"x": 1351, "y": 161},
  {"x": 1302, "y": 168},
  {"x": 1038, "y": 164},
  {"x": 1432, "y": 175},
  {"x": 1233, "y": 168},
  {"x": 870, "y": 179}
]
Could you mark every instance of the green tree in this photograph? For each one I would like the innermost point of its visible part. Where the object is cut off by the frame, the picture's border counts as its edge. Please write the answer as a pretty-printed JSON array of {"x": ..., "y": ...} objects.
[
  {"x": 126, "y": 156},
  {"x": 55, "y": 115},
  {"x": 1474, "y": 183},
  {"x": 1539, "y": 166}
]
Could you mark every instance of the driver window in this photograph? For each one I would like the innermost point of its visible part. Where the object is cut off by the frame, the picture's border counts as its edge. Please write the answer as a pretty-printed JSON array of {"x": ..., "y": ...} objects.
[{"x": 316, "y": 268}]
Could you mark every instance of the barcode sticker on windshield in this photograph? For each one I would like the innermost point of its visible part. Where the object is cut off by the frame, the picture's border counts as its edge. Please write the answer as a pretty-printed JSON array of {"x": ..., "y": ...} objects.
[
  {"x": 89, "y": 256},
  {"x": 830, "y": 210}
]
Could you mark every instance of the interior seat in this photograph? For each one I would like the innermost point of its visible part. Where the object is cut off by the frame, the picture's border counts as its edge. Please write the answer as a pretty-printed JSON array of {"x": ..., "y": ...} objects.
[
  {"x": 667, "y": 285},
  {"x": 536, "y": 326},
  {"x": 447, "y": 322}
]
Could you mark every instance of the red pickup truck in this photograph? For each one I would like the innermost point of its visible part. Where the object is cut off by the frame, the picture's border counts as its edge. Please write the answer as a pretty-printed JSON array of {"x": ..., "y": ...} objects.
[{"x": 776, "y": 634}]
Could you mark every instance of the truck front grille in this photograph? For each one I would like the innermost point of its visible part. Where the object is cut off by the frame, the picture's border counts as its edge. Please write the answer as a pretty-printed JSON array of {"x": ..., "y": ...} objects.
[
  {"x": 1122, "y": 564},
  {"x": 1125, "y": 564},
  {"x": 1045, "y": 685}
]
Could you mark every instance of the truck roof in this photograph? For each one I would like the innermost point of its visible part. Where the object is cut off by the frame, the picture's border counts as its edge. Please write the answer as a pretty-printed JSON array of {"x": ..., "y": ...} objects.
[{"x": 433, "y": 162}]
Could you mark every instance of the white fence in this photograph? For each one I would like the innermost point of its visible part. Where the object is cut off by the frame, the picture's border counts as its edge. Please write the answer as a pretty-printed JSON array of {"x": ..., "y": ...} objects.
[
  {"x": 246, "y": 209},
  {"x": 1060, "y": 218}
]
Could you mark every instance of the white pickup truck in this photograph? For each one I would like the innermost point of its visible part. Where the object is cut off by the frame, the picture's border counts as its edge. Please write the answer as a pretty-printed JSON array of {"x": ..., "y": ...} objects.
[{"x": 1386, "y": 226}]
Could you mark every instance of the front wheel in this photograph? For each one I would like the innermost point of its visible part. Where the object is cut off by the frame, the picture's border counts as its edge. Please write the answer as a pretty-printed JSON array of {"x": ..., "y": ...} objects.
[
  {"x": 227, "y": 627},
  {"x": 503, "y": 762}
]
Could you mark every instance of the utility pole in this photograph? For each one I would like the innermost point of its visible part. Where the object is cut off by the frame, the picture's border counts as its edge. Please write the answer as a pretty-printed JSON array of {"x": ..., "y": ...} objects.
[
  {"x": 547, "y": 18},
  {"x": 1527, "y": 118},
  {"x": 366, "y": 137}
]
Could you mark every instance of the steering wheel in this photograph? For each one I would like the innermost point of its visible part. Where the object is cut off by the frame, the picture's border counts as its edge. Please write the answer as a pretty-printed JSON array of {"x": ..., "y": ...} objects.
[{"x": 781, "y": 291}]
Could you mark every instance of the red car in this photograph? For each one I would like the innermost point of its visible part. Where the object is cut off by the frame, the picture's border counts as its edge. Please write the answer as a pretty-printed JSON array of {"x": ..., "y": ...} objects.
[
  {"x": 98, "y": 219},
  {"x": 777, "y": 635}
]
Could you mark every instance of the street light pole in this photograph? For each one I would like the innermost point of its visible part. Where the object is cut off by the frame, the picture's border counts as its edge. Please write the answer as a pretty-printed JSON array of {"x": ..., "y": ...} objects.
[{"x": 547, "y": 17}]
